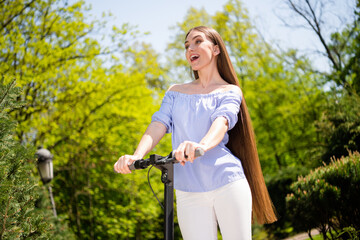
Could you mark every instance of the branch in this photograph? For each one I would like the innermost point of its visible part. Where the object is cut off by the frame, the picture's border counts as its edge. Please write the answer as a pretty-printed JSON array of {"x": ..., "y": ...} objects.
[
  {"x": 45, "y": 14},
  {"x": 5, "y": 217},
  {"x": 92, "y": 111},
  {"x": 62, "y": 60},
  {"x": 46, "y": 33},
  {"x": 76, "y": 39},
  {"x": 318, "y": 32},
  {"x": 7, "y": 91},
  {"x": 17, "y": 14},
  {"x": 314, "y": 23}
]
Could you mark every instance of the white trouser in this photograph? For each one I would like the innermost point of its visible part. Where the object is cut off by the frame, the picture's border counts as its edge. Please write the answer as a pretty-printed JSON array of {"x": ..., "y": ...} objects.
[{"x": 230, "y": 206}]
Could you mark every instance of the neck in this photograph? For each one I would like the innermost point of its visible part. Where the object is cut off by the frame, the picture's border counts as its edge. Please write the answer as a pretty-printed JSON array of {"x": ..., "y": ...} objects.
[{"x": 209, "y": 75}]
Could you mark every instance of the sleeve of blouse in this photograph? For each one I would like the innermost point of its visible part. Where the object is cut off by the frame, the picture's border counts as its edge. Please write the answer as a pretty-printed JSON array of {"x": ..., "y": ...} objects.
[
  {"x": 164, "y": 115},
  {"x": 229, "y": 108}
]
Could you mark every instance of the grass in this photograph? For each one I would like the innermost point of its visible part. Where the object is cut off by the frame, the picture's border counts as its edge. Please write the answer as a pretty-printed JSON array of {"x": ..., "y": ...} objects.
[{"x": 316, "y": 237}]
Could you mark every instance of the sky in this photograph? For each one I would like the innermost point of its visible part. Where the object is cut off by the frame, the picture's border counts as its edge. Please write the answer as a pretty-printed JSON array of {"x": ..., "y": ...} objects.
[{"x": 157, "y": 16}]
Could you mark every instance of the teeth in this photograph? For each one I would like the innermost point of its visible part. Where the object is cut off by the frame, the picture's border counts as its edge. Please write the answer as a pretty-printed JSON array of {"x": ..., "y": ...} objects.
[{"x": 193, "y": 57}]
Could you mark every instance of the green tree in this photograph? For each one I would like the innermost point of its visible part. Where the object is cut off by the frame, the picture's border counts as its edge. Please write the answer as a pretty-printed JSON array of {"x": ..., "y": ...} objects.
[
  {"x": 86, "y": 111},
  {"x": 18, "y": 216},
  {"x": 341, "y": 48},
  {"x": 339, "y": 125},
  {"x": 338, "y": 128}
]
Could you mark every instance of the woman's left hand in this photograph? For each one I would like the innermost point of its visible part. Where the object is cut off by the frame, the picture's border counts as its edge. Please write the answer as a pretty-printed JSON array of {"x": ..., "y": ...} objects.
[{"x": 186, "y": 152}]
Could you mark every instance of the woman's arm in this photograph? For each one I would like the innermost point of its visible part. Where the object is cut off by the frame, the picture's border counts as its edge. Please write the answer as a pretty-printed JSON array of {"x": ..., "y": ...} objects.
[
  {"x": 215, "y": 134},
  {"x": 153, "y": 134}
]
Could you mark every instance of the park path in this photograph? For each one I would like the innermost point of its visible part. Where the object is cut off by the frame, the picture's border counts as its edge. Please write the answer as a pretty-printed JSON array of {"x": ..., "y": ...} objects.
[{"x": 303, "y": 236}]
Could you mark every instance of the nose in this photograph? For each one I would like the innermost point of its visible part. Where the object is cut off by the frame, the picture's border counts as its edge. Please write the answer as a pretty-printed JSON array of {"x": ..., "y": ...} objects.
[{"x": 191, "y": 47}]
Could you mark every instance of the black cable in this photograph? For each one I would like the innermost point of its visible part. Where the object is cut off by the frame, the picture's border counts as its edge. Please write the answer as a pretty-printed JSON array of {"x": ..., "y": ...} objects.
[{"x": 148, "y": 177}]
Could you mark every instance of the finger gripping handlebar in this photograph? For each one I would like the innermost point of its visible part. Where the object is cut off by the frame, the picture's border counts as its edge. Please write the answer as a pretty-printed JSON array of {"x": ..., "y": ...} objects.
[{"x": 144, "y": 163}]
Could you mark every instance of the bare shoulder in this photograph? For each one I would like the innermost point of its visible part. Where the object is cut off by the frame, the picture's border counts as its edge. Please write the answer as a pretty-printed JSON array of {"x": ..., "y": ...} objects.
[
  {"x": 233, "y": 88},
  {"x": 175, "y": 87},
  {"x": 183, "y": 88}
]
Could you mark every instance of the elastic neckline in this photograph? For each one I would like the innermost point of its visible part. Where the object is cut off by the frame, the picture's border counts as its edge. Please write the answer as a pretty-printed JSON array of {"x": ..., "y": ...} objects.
[{"x": 203, "y": 94}]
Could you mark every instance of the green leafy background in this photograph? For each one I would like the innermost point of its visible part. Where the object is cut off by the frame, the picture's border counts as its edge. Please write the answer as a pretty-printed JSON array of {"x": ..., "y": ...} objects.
[{"x": 89, "y": 103}]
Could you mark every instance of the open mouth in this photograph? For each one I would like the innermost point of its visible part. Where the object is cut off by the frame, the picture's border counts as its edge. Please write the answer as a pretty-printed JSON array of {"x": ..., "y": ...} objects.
[{"x": 194, "y": 57}]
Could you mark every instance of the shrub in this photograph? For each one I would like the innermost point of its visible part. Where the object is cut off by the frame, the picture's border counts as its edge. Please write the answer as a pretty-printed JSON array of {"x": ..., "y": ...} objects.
[
  {"x": 327, "y": 198},
  {"x": 18, "y": 217}
]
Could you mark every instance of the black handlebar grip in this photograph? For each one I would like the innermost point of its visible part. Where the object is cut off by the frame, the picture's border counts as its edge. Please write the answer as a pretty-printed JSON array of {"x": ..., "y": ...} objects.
[{"x": 140, "y": 164}]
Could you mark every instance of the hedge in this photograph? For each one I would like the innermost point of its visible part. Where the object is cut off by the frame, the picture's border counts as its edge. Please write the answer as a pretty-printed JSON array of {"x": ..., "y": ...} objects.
[{"x": 327, "y": 198}]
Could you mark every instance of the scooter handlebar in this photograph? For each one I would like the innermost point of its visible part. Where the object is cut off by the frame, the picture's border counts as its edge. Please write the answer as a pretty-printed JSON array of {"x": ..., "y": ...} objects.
[{"x": 142, "y": 164}]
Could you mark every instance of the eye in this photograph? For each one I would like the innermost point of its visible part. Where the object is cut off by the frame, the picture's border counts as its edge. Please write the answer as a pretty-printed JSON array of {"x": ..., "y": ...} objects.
[{"x": 186, "y": 46}]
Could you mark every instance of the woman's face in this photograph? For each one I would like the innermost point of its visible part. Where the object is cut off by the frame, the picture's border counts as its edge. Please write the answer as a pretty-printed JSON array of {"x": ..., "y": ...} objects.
[{"x": 200, "y": 51}]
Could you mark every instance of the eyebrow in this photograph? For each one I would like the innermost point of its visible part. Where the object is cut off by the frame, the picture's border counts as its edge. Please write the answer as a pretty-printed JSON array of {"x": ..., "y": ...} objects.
[{"x": 192, "y": 38}]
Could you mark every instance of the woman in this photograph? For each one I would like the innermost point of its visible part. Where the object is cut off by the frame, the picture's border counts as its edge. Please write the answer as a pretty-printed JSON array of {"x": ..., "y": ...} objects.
[{"x": 226, "y": 184}]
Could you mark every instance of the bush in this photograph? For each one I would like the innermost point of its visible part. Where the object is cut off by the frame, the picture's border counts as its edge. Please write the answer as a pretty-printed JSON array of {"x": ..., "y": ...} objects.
[
  {"x": 19, "y": 192},
  {"x": 18, "y": 217},
  {"x": 327, "y": 198}
]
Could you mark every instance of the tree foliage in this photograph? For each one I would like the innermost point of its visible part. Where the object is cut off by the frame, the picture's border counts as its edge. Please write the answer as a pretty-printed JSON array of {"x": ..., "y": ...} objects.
[
  {"x": 86, "y": 112},
  {"x": 341, "y": 48},
  {"x": 18, "y": 217},
  {"x": 338, "y": 127},
  {"x": 88, "y": 100}
]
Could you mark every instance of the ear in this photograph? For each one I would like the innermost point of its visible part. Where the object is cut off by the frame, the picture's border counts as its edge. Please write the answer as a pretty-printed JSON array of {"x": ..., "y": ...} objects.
[{"x": 216, "y": 50}]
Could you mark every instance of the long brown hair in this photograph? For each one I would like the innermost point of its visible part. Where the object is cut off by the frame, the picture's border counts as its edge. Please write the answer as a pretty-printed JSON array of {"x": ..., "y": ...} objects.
[{"x": 242, "y": 141}]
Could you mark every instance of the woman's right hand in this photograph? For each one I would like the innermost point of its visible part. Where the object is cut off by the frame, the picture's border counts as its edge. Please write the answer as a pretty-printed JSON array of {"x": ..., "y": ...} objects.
[{"x": 122, "y": 165}]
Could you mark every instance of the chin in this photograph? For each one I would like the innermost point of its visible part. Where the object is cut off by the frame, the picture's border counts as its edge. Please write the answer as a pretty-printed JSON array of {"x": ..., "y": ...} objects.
[{"x": 195, "y": 68}]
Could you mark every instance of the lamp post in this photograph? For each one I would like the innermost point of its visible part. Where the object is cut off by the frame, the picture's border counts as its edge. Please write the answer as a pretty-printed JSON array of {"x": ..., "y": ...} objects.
[{"x": 45, "y": 168}]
